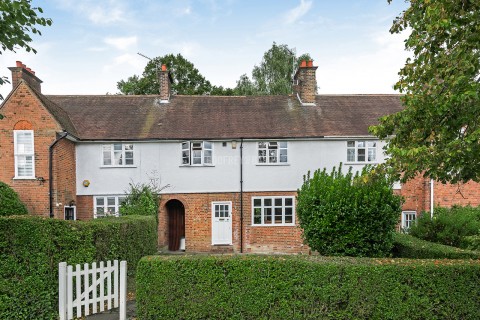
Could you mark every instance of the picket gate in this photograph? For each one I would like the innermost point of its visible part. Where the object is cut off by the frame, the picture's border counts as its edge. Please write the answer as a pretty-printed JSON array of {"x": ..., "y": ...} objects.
[{"x": 92, "y": 289}]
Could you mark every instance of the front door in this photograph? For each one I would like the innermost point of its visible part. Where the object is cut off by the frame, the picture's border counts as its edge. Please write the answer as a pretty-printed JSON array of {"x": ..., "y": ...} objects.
[
  {"x": 176, "y": 224},
  {"x": 70, "y": 213},
  {"x": 222, "y": 223}
]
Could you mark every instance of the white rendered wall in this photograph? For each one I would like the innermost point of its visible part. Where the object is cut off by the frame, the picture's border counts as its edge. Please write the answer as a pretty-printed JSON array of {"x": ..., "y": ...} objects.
[{"x": 162, "y": 161}]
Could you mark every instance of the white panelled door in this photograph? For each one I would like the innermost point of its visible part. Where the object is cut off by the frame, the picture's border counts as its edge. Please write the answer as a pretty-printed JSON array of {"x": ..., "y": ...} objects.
[{"x": 222, "y": 222}]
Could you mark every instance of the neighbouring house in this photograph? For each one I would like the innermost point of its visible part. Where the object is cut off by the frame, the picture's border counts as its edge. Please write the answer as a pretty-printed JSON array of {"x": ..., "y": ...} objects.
[{"x": 233, "y": 164}]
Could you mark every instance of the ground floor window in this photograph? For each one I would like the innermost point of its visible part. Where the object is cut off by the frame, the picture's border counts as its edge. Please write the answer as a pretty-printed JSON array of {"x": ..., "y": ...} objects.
[
  {"x": 106, "y": 206},
  {"x": 408, "y": 219},
  {"x": 273, "y": 211}
]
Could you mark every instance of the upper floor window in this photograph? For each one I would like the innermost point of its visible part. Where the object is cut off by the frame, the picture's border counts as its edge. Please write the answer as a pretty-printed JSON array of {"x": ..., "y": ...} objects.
[
  {"x": 24, "y": 154},
  {"x": 118, "y": 154},
  {"x": 272, "y": 152},
  {"x": 273, "y": 211},
  {"x": 361, "y": 151},
  {"x": 197, "y": 153}
]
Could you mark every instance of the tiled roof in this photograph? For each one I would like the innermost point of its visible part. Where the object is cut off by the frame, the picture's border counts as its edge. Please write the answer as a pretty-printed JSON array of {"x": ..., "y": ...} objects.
[{"x": 120, "y": 117}]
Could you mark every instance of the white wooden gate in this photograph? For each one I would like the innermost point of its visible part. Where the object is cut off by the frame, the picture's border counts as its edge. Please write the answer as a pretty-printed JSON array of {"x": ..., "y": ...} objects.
[{"x": 92, "y": 289}]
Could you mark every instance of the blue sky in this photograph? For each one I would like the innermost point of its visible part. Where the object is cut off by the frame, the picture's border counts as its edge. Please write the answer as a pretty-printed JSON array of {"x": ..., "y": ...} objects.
[{"x": 94, "y": 43}]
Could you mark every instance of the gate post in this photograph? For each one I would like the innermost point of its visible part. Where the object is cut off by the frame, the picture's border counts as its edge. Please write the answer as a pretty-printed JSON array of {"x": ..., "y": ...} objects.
[{"x": 62, "y": 290}]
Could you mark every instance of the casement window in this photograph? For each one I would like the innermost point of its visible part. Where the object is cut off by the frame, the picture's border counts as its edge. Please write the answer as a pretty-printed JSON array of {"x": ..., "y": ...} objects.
[
  {"x": 197, "y": 153},
  {"x": 118, "y": 154},
  {"x": 408, "y": 219},
  {"x": 24, "y": 154},
  {"x": 107, "y": 206},
  {"x": 273, "y": 211},
  {"x": 272, "y": 152},
  {"x": 361, "y": 151}
]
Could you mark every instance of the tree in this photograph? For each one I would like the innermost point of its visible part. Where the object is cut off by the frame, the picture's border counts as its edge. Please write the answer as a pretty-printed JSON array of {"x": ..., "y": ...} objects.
[
  {"x": 347, "y": 214},
  {"x": 17, "y": 20},
  {"x": 187, "y": 80},
  {"x": 274, "y": 74},
  {"x": 10, "y": 203},
  {"x": 437, "y": 134}
]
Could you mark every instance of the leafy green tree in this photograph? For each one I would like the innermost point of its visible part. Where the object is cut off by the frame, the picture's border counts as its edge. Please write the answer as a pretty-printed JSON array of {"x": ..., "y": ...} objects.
[
  {"x": 10, "y": 203},
  {"x": 18, "y": 19},
  {"x": 347, "y": 214},
  {"x": 437, "y": 134},
  {"x": 274, "y": 74},
  {"x": 141, "y": 199},
  {"x": 187, "y": 80}
]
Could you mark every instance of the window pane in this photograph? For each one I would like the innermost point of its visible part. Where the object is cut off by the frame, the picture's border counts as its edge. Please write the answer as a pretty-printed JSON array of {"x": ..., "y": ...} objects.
[
  {"x": 117, "y": 158},
  {"x": 262, "y": 156},
  {"x": 257, "y": 216},
  {"x": 371, "y": 154},
  {"x": 117, "y": 147},
  {"x": 262, "y": 145},
  {"x": 257, "y": 202},
  {"x": 288, "y": 215},
  {"x": 351, "y": 155},
  {"x": 283, "y": 155},
  {"x": 272, "y": 145},
  {"x": 278, "y": 202},
  {"x": 278, "y": 215},
  {"x": 128, "y": 147},
  {"x": 351, "y": 144},
  {"x": 283, "y": 145},
  {"x": 121, "y": 200},
  {"x": 267, "y": 202},
  {"x": 207, "y": 145},
  {"x": 272, "y": 156},
  {"x": 288, "y": 201},
  {"x": 111, "y": 201},
  {"x": 100, "y": 211},
  {"x": 267, "y": 215},
  {"x": 107, "y": 158},
  {"x": 361, "y": 144},
  {"x": 185, "y": 145},
  {"x": 197, "y": 146},
  {"x": 371, "y": 144},
  {"x": 25, "y": 166},
  {"x": 100, "y": 201},
  {"x": 361, "y": 154},
  {"x": 186, "y": 157}
]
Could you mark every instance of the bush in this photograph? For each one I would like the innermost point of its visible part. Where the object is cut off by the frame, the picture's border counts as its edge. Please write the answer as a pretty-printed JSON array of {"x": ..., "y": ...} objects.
[
  {"x": 141, "y": 200},
  {"x": 293, "y": 287},
  {"x": 10, "y": 203},
  {"x": 407, "y": 246},
  {"x": 32, "y": 247},
  {"x": 449, "y": 226},
  {"x": 343, "y": 214}
]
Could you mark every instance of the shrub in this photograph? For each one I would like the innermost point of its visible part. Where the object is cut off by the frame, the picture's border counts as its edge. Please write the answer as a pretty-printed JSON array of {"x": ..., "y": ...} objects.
[
  {"x": 407, "y": 246},
  {"x": 449, "y": 226},
  {"x": 10, "y": 203},
  {"x": 32, "y": 247},
  {"x": 293, "y": 287},
  {"x": 343, "y": 214},
  {"x": 141, "y": 200}
]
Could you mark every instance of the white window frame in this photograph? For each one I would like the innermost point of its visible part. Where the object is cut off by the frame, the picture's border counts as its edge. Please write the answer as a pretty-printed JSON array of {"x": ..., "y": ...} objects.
[
  {"x": 366, "y": 147},
  {"x": 273, "y": 206},
  {"x": 74, "y": 212},
  {"x": 105, "y": 206},
  {"x": 407, "y": 222},
  {"x": 110, "y": 148},
  {"x": 267, "y": 147},
  {"x": 20, "y": 155},
  {"x": 206, "y": 153}
]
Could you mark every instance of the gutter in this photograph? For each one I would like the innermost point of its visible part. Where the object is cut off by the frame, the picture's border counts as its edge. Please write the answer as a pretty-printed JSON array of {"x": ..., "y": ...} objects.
[
  {"x": 431, "y": 198},
  {"x": 50, "y": 170},
  {"x": 241, "y": 195}
]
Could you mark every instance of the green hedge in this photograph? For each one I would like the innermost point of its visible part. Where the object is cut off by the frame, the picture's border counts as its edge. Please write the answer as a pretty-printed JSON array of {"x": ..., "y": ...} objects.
[
  {"x": 32, "y": 247},
  {"x": 407, "y": 246},
  {"x": 10, "y": 203},
  {"x": 293, "y": 287}
]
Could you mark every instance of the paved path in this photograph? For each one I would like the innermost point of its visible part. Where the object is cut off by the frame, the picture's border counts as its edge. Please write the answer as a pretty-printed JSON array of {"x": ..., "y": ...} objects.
[{"x": 113, "y": 313}]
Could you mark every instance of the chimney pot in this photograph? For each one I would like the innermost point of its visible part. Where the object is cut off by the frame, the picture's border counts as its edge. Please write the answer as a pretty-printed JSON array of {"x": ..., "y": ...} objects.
[
  {"x": 29, "y": 70},
  {"x": 306, "y": 83},
  {"x": 19, "y": 64},
  {"x": 164, "y": 67},
  {"x": 303, "y": 64},
  {"x": 310, "y": 63},
  {"x": 21, "y": 72}
]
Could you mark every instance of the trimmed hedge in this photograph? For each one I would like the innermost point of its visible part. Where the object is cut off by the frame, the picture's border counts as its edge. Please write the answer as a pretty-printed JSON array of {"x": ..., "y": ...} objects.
[
  {"x": 293, "y": 287},
  {"x": 10, "y": 203},
  {"x": 407, "y": 246},
  {"x": 32, "y": 247}
]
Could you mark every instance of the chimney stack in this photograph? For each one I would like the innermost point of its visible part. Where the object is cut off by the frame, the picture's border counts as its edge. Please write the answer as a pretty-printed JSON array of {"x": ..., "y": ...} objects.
[
  {"x": 305, "y": 83},
  {"x": 164, "y": 81},
  {"x": 20, "y": 71}
]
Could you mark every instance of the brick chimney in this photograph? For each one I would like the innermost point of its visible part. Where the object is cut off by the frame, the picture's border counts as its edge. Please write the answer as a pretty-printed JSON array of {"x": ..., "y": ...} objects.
[
  {"x": 164, "y": 81},
  {"x": 305, "y": 83},
  {"x": 20, "y": 71}
]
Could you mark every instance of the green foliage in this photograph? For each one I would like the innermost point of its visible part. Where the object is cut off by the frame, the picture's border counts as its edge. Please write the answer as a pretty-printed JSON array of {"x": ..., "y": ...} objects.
[
  {"x": 407, "y": 246},
  {"x": 18, "y": 19},
  {"x": 187, "y": 80},
  {"x": 10, "y": 203},
  {"x": 32, "y": 247},
  {"x": 141, "y": 199},
  {"x": 449, "y": 226},
  {"x": 343, "y": 214},
  {"x": 438, "y": 132},
  {"x": 289, "y": 287},
  {"x": 274, "y": 74}
]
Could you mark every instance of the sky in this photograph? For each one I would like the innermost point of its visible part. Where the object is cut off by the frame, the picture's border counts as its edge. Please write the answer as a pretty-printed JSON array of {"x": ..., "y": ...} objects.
[{"x": 92, "y": 44}]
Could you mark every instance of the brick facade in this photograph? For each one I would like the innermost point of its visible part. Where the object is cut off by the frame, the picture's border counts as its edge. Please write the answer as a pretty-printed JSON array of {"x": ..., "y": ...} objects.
[{"x": 64, "y": 177}]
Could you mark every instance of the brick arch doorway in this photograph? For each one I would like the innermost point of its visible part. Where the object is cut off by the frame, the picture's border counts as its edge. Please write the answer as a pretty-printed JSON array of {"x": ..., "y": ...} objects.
[{"x": 176, "y": 223}]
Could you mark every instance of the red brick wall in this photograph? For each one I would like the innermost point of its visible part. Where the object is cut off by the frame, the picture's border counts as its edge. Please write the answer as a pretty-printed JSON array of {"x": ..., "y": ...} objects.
[
  {"x": 198, "y": 229},
  {"x": 64, "y": 176},
  {"x": 23, "y": 105},
  {"x": 84, "y": 207},
  {"x": 447, "y": 195}
]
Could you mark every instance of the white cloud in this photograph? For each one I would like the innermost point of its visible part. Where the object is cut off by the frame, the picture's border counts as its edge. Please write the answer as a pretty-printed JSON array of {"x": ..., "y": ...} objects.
[
  {"x": 98, "y": 12},
  {"x": 296, "y": 13},
  {"x": 121, "y": 43}
]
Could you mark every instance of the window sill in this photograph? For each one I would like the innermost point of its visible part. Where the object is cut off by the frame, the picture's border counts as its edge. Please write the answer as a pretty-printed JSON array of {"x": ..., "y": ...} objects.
[
  {"x": 196, "y": 165},
  {"x": 108, "y": 167},
  {"x": 273, "y": 164},
  {"x": 360, "y": 163},
  {"x": 24, "y": 178},
  {"x": 275, "y": 225}
]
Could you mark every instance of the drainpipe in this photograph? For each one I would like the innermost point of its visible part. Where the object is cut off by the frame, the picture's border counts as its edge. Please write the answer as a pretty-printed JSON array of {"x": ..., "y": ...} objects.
[
  {"x": 241, "y": 195},
  {"x": 50, "y": 170},
  {"x": 431, "y": 198}
]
